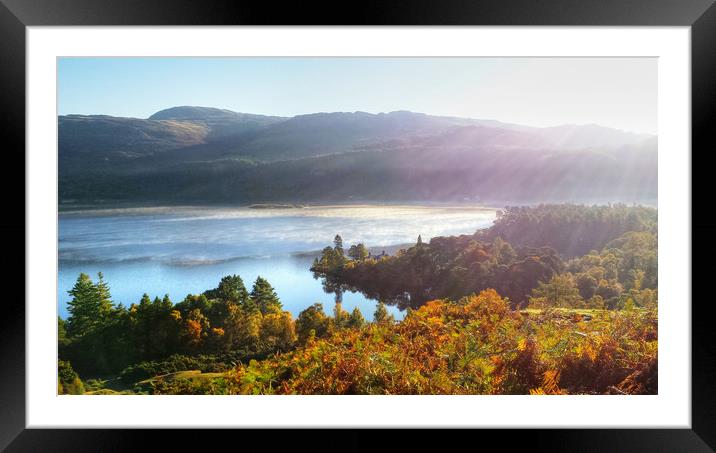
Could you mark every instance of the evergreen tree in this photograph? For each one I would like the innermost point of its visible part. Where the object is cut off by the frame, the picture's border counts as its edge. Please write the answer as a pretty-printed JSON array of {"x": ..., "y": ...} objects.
[
  {"x": 142, "y": 325},
  {"x": 420, "y": 240},
  {"x": 231, "y": 288},
  {"x": 145, "y": 301},
  {"x": 105, "y": 299},
  {"x": 89, "y": 308},
  {"x": 338, "y": 244},
  {"x": 264, "y": 297},
  {"x": 61, "y": 333}
]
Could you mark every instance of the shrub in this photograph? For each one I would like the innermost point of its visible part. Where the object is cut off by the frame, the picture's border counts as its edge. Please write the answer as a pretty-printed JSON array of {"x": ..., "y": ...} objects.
[{"x": 68, "y": 381}]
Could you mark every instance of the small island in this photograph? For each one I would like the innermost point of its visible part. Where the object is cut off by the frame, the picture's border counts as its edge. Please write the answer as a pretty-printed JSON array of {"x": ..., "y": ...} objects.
[{"x": 276, "y": 206}]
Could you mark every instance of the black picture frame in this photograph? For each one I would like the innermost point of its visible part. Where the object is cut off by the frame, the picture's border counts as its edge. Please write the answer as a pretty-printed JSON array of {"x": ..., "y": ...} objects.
[{"x": 16, "y": 15}]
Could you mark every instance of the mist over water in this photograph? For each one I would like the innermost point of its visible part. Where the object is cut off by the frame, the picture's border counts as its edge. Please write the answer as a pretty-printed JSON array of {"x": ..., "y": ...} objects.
[{"x": 180, "y": 251}]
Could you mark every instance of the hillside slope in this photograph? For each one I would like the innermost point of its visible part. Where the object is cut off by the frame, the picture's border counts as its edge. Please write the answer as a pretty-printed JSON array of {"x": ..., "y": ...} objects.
[{"x": 197, "y": 154}]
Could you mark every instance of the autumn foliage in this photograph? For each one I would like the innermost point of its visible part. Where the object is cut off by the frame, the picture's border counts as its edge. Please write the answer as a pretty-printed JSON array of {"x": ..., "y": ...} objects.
[
  {"x": 482, "y": 317},
  {"x": 474, "y": 346}
]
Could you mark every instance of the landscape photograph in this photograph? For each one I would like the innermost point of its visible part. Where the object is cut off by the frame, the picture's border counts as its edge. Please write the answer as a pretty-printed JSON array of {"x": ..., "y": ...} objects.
[{"x": 357, "y": 226}]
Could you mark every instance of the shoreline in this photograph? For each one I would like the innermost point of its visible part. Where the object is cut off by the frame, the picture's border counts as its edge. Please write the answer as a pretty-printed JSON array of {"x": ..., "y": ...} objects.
[
  {"x": 133, "y": 209},
  {"x": 288, "y": 206}
]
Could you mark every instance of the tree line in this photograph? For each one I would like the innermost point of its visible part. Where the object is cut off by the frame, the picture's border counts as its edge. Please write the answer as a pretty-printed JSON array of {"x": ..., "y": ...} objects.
[
  {"x": 222, "y": 325},
  {"x": 458, "y": 280},
  {"x": 620, "y": 264}
]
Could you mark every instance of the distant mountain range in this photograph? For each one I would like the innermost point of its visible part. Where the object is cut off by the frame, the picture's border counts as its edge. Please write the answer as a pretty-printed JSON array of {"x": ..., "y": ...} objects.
[{"x": 209, "y": 155}]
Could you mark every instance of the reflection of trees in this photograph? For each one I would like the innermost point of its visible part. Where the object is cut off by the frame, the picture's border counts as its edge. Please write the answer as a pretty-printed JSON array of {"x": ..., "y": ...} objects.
[
  {"x": 452, "y": 267},
  {"x": 448, "y": 267},
  {"x": 331, "y": 285}
]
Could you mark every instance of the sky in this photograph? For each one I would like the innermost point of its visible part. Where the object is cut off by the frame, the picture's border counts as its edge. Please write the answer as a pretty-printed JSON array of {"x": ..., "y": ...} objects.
[{"x": 613, "y": 92}]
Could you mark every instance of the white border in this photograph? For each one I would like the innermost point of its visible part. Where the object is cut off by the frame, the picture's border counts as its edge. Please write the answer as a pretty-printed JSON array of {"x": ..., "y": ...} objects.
[{"x": 670, "y": 408}]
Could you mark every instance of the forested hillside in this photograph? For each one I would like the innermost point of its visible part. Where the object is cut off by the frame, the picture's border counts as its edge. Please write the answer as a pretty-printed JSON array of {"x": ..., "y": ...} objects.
[{"x": 193, "y": 155}]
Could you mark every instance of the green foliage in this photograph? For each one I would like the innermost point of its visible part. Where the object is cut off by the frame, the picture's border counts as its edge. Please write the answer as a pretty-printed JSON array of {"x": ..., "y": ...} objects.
[
  {"x": 356, "y": 319},
  {"x": 178, "y": 362},
  {"x": 68, "y": 381},
  {"x": 560, "y": 291},
  {"x": 453, "y": 267},
  {"x": 591, "y": 326},
  {"x": 264, "y": 297},
  {"x": 312, "y": 322},
  {"x": 358, "y": 252},
  {"x": 231, "y": 288},
  {"x": 232, "y": 321},
  {"x": 570, "y": 229},
  {"x": 94, "y": 327},
  {"x": 447, "y": 267},
  {"x": 338, "y": 245},
  {"x": 89, "y": 308},
  {"x": 62, "y": 340}
]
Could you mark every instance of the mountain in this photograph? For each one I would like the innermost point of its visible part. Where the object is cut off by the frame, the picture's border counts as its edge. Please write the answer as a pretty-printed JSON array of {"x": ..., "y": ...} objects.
[
  {"x": 89, "y": 142},
  {"x": 220, "y": 123},
  {"x": 328, "y": 133},
  {"x": 590, "y": 135},
  {"x": 206, "y": 155},
  {"x": 129, "y": 137}
]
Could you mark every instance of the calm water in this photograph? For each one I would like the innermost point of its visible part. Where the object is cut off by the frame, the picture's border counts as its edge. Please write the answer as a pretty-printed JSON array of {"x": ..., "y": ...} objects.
[{"x": 180, "y": 251}]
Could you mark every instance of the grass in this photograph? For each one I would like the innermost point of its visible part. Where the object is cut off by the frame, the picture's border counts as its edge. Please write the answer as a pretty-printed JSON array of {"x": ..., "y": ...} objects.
[
  {"x": 186, "y": 374},
  {"x": 115, "y": 386}
]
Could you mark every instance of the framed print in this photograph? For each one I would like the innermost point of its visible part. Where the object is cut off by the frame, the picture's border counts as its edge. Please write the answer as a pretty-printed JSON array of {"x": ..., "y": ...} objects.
[{"x": 414, "y": 217}]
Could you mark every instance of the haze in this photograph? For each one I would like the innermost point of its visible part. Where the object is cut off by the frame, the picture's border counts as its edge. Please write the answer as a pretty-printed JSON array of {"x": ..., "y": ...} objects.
[{"x": 614, "y": 92}]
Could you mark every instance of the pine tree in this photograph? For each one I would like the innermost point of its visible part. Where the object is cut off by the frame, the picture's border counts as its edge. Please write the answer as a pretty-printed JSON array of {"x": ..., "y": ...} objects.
[
  {"x": 231, "y": 287},
  {"x": 264, "y": 297},
  {"x": 145, "y": 301},
  {"x": 90, "y": 322},
  {"x": 338, "y": 244},
  {"x": 105, "y": 299},
  {"x": 420, "y": 240},
  {"x": 61, "y": 332},
  {"x": 89, "y": 308}
]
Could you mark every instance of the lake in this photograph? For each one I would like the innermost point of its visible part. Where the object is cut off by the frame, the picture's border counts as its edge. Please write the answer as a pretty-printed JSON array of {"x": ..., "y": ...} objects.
[{"x": 180, "y": 251}]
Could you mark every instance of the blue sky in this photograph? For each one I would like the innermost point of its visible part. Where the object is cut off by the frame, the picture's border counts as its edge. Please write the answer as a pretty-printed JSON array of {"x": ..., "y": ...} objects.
[{"x": 615, "y": 92}]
